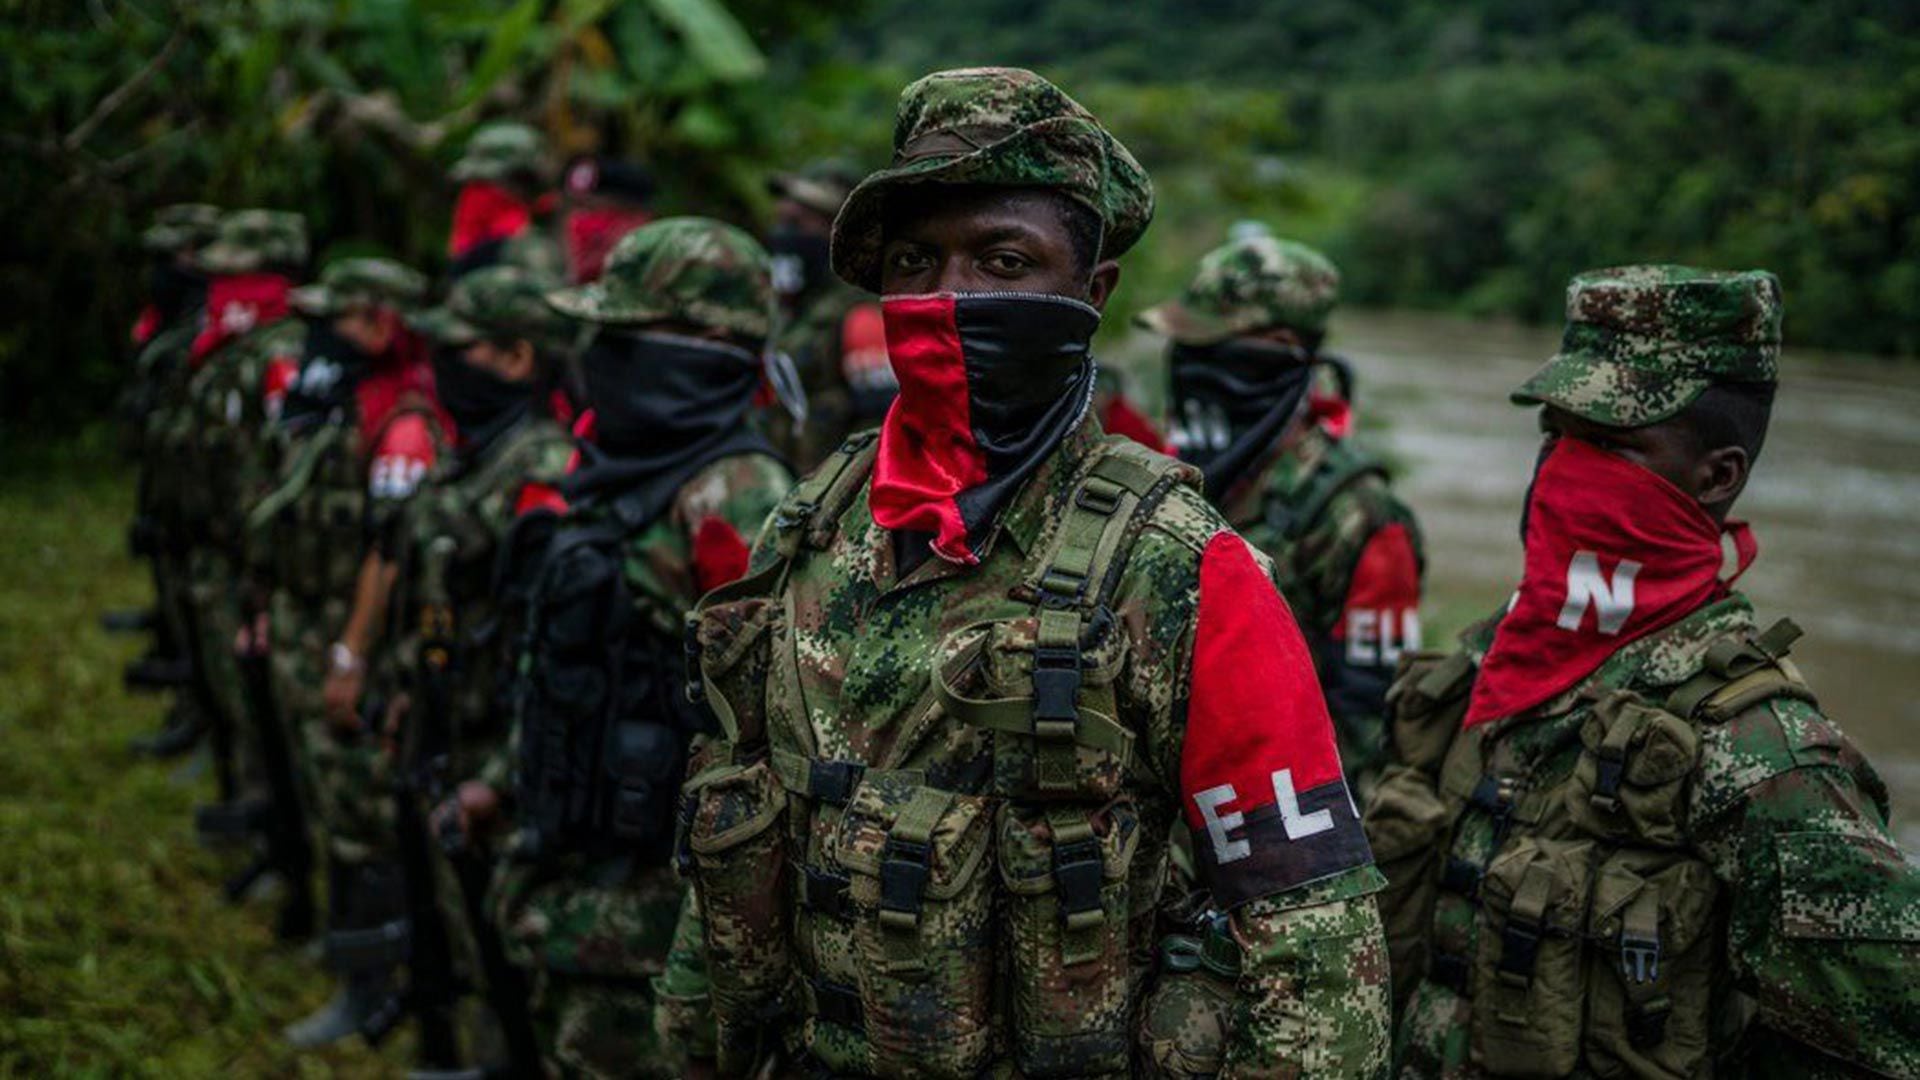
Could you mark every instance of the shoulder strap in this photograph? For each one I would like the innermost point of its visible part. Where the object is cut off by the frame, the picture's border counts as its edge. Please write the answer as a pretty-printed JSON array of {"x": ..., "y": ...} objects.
[
  {"x": 1292, "y": 513},
  {"x": 1742, "y": 671},
  {"x": 523, "y": 448},
  {"x": 811, "y": 512},
  {"x": 300, "y": 476}
]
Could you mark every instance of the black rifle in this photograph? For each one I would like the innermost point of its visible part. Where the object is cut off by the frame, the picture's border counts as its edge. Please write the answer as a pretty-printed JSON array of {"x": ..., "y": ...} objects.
[{"x": 289, "y": 844}]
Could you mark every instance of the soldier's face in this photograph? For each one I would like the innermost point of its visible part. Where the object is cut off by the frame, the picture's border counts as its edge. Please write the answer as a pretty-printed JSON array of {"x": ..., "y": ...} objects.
[
  {"x": 982, "y": 239},
  {"x": 370, "y": 330},
  {"x": 1666, "y": 449},
  {"x": 512, "y": 361}
]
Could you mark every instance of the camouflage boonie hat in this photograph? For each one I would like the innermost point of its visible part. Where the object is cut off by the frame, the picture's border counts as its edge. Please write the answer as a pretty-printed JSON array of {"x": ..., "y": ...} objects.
[
  {"x": 501, "y": 151},
  {"x": 1246, "y": 285},
  {"x": 1002, "y": 127},
  {"x": 253, "y": 240},
  {"x": 494, "y": 302},
  {"x": 821, "y": 186},
  {"x": 684, "y": 269},
  {"x": 360, "y": 282},
  {"x": 181, "y": 227},
  {"x": 1643, "y": 342}
]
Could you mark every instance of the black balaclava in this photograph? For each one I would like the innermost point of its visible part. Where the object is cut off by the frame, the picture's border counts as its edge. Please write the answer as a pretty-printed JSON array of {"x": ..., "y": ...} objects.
[
  {"x": 483, "y": 405},
  {"x": 1231, "y": 401},
  {"x": 801, "y": 262}
]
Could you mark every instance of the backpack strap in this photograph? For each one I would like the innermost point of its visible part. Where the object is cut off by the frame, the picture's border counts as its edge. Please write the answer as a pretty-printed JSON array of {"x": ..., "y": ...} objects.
[
  {"x": 312, "y": 451},
  {"x": 1742, "y": 671},
  {"x": 1291, "y": 513},
  {"x": 811, "y": 514}
]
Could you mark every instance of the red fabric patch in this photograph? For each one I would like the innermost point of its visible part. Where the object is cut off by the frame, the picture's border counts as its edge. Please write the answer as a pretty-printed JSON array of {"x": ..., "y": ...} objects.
[
  {"x": 1121, "y": 418},
  {"x": 719, "y": 554},
  {"x": 863, "y": 347},
  {"x": 485, "y": 212},
  {"x": 236, "y": 305},
  {"x": 1255, "y": 706},
  {"x": 591, "y": 235},
  {"x": 1386, "y": 580},
  {"x": 280, "y": 374},
  {"x": 560, "y": 407},
  {"x": 583, "y": 429},
  {"x": 1334, "y": 414},
  {"x": 535, "y": 498},
  {"x": 147, "y": 325},
  {"x": 927, "y": 454},
  {"x": 1614, "y": 552}
]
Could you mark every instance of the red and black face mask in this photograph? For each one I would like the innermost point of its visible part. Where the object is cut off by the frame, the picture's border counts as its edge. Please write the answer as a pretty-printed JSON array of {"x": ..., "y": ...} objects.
[
  {"x": 237, "y": 304},
  {"x": 483, "y": 215},
  {"x": 1614, "y": 552},
  {"x": 990, "y": 383}
]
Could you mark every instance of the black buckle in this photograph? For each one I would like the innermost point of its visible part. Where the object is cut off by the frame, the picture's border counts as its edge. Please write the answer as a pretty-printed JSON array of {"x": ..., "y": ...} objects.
[
  {"x": 683, "y": 828},
  {"x": 799, "y": 513},
  {"x": 696, "y": 688},
  {"x": 825, "y": 893},
  {"x": 1647, "y": 1023},
  {"x": 1519, "y": 948},
  {"x": 1639, "y": 958},
  {"x": 1056, "y": 692},
  {"x": 1611, "y": 767},
  {"x": 1492, "y": 795},
  {"x": 904, "y": 869},
  {"x": 833, "y": 781},
  {"x": 1461, "y": 877},
  {"x": 1449, "y": 971},
  {"x": 1078, "y": 873},
  {"x": 837, "y": 1004}
]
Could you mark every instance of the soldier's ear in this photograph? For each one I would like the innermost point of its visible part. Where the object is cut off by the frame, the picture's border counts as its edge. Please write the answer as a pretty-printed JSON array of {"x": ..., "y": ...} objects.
[
  {"x": 1720, "y": 477},
  {"x": 1106, "y": 277}
]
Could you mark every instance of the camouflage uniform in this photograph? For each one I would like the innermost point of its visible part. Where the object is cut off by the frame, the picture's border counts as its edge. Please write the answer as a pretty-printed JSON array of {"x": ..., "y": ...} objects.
[
  {"x": 1677, "y": 866},
  {"x": 907, "y": 862},
  {"x": 593, "y": 926},
  {"x": 222, "y": 435},
  {"x": 1347, "y": 552},
  {"x": 833, "y": 335},
  {"x": 514, "y": 156}
]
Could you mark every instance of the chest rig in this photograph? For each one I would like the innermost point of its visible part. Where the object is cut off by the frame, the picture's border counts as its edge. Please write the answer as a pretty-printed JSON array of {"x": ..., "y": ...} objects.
[
  {"x": 1541, "y": 873},
  {"x": 1289, "y": 513},
  {"x": 224, "y": 437},
  {"x": 992, "y": 859}
]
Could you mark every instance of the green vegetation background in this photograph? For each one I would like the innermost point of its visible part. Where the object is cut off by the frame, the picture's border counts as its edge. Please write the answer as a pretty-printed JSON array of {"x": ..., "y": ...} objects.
[{"x": 1459, "y": 154}]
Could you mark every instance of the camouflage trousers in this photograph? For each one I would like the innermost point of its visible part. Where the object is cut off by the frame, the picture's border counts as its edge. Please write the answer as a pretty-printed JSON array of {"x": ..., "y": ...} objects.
[
  {"x": 682, "y": 1000},
  {"x": 592, "y": 934},
  {"x": 348, "y": 775},
  {"x": 213, "y": 595}
]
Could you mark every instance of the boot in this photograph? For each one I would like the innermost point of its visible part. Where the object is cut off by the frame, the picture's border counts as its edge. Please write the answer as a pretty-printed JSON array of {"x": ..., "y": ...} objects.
[
  {"x": 177, "y": 736},
  {"x": 366, "y": 941}
]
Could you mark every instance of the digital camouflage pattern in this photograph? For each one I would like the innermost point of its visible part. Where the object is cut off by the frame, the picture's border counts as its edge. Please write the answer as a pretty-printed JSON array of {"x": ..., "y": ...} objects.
[
  {"x": 1003, "y": 127},
  {"x": 496, "y": 302},
  {"x": 504, "y": 151},
  {"x": 684, "y": 269},
  {"x": 856, "y": 665},
  {"x": 1253, "y": 283},
  {"x": 821, "y": 186},
  {"x": 593, "y": 930},
  {"x": 1642, "y": 342},
  {"x": 249, "y": 241},
  {"x": 181, "y": 227},
  {"x": 360, "y": 282},
  {"x": 1777, "y": 877},
  {"x": 1314, "y": 563}
]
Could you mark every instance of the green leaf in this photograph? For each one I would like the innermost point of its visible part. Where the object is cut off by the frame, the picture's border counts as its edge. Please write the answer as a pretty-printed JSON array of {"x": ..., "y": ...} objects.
[
  {"x": 510, "y": 34},
  {"x": 714, "y": 38}
]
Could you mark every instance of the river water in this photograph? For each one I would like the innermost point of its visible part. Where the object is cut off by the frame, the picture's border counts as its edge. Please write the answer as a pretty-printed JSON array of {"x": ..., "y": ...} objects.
[{"x": 1834, "y": 502}]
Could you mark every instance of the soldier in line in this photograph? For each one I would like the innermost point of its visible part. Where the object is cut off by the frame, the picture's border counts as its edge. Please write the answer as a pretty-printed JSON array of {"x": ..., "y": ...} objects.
[
  {"x": 501, "y": 212},
  {"x": 1245, "y": 350},
  {"x": 239, "y": 365},
  {"x": 671, "y": 482},
  {"x": 984, "y": 658},
  {"x": 832, "y": 330},
  {"x": 606, "y": 198},
  {"x": 359, "y": 429},
  {"x": 177, "y": 295},
  {"x": 1621, "y": 835}
]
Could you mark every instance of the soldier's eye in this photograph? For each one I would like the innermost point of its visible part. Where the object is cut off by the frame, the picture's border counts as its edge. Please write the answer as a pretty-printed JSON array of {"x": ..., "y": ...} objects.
[{"x": 1006, "y": 262}]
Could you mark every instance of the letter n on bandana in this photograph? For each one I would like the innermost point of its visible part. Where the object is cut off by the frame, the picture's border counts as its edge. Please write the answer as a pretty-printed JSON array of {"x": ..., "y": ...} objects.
[{"x": 1260, "y": 778}]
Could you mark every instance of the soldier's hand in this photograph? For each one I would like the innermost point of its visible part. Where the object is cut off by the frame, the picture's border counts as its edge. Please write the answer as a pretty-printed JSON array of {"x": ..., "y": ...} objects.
[
  {"x": 473, "y": 806},
  {"x": 341, "y": 695}
]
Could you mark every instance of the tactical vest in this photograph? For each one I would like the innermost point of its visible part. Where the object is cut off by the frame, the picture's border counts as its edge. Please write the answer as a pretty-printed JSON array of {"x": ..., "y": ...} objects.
[
  {"x": 224, "y": 435},
  {"x": 447, "y": 607},
  {"x": 991, "y": 873},
  {"x": 603, "y": 717},
  {"x": 312, "y": 527},
  {"x": 1586, "y": 941},
  {"x": 1290, "y": 513}
]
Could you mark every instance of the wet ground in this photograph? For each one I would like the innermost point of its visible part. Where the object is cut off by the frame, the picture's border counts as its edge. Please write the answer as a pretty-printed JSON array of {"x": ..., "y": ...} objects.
[{"x": 1834, "y": 502}]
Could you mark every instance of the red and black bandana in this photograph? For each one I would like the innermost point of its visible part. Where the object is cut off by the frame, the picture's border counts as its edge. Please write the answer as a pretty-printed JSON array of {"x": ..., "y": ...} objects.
[
  {"x": 236, "y": 305},
  {"x": 990, "y": 383}
]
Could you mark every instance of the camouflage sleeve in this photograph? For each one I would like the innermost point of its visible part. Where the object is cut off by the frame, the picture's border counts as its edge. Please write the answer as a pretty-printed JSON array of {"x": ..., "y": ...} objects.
[
  {"x": 1824, "y": 926},
  {"x": 1237, "y": 728},
  {"x": 723, "y": 510}
]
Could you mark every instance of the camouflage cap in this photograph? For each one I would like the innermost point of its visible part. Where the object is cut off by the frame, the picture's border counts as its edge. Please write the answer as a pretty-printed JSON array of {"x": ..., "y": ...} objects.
[
  {"x": 253, "y": 240},
  {"x": 503, "y": 150},
  {"x": 181, "y": 227},
  {"x": 360, "y": 282},
  {"x": 1250, "y": 284},
  {"x": 1003, "y": 127},
  {"x": 1642, "y": 342},
  {"x": 497, "y": 301},
  {"x": 821, "y": 186},
  {"x": 683, "y": 269}
]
